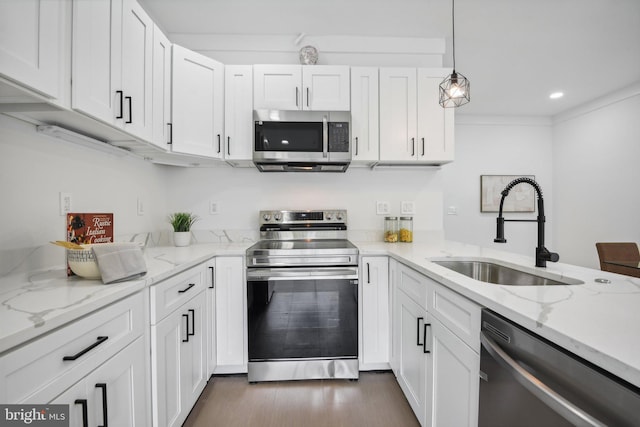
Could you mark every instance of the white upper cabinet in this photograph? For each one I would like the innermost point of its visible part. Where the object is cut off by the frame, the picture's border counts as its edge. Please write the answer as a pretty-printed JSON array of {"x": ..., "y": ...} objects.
[
  {"x": 364, "y": 114},
  {"x": 111, "y": 64},
  {"x": 32, "y": 38},
  {"x": 413, "y": 126},
  {"x": 238, "y": 112},
  {"x": 197, "y": 104},
  {"x": 298, "y": 87},
  {"x": 161, "y": 89}
]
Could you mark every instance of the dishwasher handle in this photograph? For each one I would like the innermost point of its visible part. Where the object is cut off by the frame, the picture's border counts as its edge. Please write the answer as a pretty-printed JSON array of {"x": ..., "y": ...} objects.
[{"x": 550, "y": 397}]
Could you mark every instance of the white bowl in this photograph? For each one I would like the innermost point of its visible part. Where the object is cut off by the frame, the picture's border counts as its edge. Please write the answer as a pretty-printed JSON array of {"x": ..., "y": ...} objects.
[{"x": 83, "y": 263}]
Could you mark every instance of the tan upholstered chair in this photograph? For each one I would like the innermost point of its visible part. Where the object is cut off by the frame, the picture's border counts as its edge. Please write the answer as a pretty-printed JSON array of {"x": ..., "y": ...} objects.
[{"x": 618, "y": 251}]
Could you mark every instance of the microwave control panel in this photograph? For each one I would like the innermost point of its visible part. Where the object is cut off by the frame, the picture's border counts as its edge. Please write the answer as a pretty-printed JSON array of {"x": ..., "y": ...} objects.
[{"x": 339, "y": 137}]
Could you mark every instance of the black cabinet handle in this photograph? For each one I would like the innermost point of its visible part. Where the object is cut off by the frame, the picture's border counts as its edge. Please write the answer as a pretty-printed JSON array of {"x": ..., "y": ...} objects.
[
  {"x": 424, "y": 339},
  {"x": 186, "y": 316},
  {"x": 213, "y": 278},
  {"x": 83, "y": 402},
  {"x": 182, "y": 291},
  {"x": 130, "y": 102},
  {"x": 423, "y": 147},
  {"x": 418, "y": 320},
  {"x": 368, "y": 274},
  {"x": 170, "y": 126},
  {"x": 121, "y": 94},
  {"x": 229, "y": 145},
  {"x": 356, "y": 145},
  {"x": 193, "y": 322},
  {"x": 99, "y": 341},
  {"x": 218, "y": 143},
  {"x": 307, "y": 96},
  {"x": 105, "y": 418},
  {"x": 413, "y": 147}
]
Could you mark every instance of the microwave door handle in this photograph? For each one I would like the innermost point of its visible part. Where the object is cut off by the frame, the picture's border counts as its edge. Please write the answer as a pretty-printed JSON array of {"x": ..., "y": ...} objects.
[{"x": 325, "y": 137}]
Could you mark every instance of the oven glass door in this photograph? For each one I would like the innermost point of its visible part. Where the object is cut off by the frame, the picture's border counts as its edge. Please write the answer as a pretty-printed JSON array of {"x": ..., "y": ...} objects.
[
  {"x": 304, "y": 137},
  {"x": 302, "y": 319}
]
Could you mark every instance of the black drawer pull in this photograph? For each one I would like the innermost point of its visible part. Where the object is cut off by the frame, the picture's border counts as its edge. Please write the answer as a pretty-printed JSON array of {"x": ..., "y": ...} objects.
[
  {"x": 105, "y": 418},
  {"x": 170, "y": 126},
  {"x": 120, "y": 95},
  {"x": 83, "y": 402},
  {"x": 424, "y": 338},
  {"x": 182, "y": 291},
  {"x": 213, "y": 278},
  {"x": 99, "y": 341},
  {"x": 418, "y": 320},
  {"x": 130, "y": 102}
]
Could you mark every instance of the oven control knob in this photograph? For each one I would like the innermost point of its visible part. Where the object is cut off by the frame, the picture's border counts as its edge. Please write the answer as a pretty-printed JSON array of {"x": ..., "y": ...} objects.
[
  {"x": 277, "y": 217},
  {"x": 328, "y": 216},
  {"x": 266, "y": 216},
  {"x": 339, "y": 216}
]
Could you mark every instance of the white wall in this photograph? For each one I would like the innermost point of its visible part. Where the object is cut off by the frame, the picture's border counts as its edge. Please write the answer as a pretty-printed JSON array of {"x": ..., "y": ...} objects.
[
  {"x": 241, "y": 193},
  {"x": 35, "y": 168},
  {"x": 497, "y": 146},
  {"x": 596, "y": 154}
]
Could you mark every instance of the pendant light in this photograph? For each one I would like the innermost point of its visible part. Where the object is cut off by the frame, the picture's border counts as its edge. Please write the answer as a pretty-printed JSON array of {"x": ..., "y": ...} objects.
[{"x": 454, "y": 90}]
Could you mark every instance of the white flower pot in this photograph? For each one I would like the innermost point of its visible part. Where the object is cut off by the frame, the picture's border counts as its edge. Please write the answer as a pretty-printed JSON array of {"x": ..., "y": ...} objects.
[{"x": 181, "y": 238}]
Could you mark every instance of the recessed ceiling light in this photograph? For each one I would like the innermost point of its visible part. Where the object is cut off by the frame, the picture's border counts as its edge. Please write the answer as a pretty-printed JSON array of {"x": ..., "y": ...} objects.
[{"x": 556, "y": 95}]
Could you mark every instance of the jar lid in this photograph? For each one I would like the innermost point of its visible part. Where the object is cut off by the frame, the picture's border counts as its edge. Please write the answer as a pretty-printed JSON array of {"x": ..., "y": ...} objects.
[
  {"x": 393, "y": 218},
  {"x": 406, "y": 218}
]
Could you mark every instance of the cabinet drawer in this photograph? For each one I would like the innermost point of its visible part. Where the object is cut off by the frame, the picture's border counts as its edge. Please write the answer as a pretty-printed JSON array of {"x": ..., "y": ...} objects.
[
  {"x": 170, "y": 294},
  {"x": 459, "y": 314},
  {"x": 60, "y": 358},
  {"x": 414, "y": 284}
]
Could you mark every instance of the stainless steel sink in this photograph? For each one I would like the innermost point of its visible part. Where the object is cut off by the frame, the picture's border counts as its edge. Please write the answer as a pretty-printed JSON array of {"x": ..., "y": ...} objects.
[{"x": 490, "y": 272}]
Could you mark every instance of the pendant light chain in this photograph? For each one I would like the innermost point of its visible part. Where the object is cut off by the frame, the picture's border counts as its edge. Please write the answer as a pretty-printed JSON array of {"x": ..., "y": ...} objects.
[
  {"x": 454, "y": 90},
  {"x": 453, "y": 32}
]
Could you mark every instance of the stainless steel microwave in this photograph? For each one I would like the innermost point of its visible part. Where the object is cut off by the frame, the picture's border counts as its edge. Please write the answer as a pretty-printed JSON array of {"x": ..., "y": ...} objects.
[{"x": 301, "y": 141}]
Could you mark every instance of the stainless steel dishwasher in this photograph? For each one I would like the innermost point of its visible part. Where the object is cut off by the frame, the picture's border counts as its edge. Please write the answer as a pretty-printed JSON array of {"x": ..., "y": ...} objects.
[{"x": 528, "y": 381}]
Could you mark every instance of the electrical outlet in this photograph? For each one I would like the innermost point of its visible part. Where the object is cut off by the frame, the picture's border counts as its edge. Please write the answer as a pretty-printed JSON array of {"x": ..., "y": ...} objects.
[
  {"x": 382, "y": 208},
  {"x": 65, "y": 203},
  {"x": 140, "y": 207},
  {"x": 213, "y": 208},
  {"x": 452, "y": 210},
  {"x": 407, "y": 208}
]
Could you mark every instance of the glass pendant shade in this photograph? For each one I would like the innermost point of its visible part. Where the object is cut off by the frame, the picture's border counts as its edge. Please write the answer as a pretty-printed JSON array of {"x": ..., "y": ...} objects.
[{"x": 454, "y": 90}]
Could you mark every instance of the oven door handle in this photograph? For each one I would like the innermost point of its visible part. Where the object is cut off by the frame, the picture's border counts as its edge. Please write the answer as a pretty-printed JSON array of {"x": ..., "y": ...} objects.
[
  {"x": 539, "y": 389},
  {"x": 264, "y": 274}
]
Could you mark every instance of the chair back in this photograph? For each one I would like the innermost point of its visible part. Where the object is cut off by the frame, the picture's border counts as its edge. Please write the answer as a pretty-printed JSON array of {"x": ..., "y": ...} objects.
[{"x": 617, "y": 251}]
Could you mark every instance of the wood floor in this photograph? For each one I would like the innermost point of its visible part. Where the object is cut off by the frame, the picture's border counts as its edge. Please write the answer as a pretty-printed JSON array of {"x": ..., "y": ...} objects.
[{"x": 374, "y": 400}]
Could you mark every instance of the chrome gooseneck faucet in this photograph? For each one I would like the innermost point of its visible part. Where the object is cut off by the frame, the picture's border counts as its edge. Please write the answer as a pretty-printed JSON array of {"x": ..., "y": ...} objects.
[{"x": 542, "y": 254}]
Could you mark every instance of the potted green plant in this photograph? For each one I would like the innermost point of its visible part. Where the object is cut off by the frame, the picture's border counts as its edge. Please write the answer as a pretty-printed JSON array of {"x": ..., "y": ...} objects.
[{"x": 181, "y": 223}]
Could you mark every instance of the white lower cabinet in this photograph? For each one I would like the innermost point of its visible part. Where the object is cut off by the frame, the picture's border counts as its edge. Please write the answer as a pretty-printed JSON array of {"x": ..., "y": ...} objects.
[
  {"x": 437, "y": 370},
  {"x": 374, "y": 313},
  {"x": 114, "y": 394},
  {"x": 178, "y": 343},
  {"x": 230, "y": 316}
]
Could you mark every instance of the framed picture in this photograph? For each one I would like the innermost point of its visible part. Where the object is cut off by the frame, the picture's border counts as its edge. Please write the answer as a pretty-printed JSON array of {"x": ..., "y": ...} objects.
[{"x": 521, "y": 198}]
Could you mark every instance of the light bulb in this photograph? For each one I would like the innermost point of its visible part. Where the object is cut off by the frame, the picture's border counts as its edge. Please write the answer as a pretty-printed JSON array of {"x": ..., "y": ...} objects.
[{"x": 456, "y": 91}]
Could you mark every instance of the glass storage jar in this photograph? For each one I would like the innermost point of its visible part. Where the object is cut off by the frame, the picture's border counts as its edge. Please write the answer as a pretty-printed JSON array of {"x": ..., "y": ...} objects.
[
  {"x": 391, "y": 229},
  {"x": 406, "y": 229}
]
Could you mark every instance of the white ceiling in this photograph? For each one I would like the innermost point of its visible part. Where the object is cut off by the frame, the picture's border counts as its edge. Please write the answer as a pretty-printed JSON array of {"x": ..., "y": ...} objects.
[{"x": 514, "y": 52}]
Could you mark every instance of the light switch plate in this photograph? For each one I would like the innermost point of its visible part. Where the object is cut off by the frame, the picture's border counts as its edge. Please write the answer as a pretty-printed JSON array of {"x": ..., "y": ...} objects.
[
  {"x": 407, "y": 208},
  {"x": 65, "y": 203},
  {"x": 382, "y": 208},
  {"x": 213, "y": 207}
]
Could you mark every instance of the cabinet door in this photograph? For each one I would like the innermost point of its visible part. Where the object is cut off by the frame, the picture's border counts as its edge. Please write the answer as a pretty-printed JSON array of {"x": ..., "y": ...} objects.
[
  {"x": 118, "y": 389},
  {"x": 374, "y": 313},
  {"x": 210, "y": 293},
  {"x": 197, "y": 103},
  {"x": 325, "y": 88},
  {"x": 364, "y": 114},
  {"x": 166, "y": 364},
  {"x": 238, "y": 119},
  {"x": 231, "y": 352},
  {"x": 455, "y": 377},
  {"x": 398, "y": 114},
  {"x": 96, "y": 59},
  {"x": 413, "y": 371},
  {"x": 161, "y": 89},
  {"x": 31, "y": 44},
  {"x": 137, "y": 44},
  {"x": 436, "y": 124},
  {"x": 76, "y": 398},
  {"x": 277, "y": 87},
  {"x": 193, "y": 372}
]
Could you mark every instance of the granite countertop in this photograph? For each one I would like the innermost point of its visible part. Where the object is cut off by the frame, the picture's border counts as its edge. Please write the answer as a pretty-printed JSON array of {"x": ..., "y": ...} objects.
[{"x": 599, "y": 322}]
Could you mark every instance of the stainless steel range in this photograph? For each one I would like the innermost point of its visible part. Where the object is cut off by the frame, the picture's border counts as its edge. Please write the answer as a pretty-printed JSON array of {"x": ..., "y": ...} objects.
[{"x": 302, "y": 297}]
